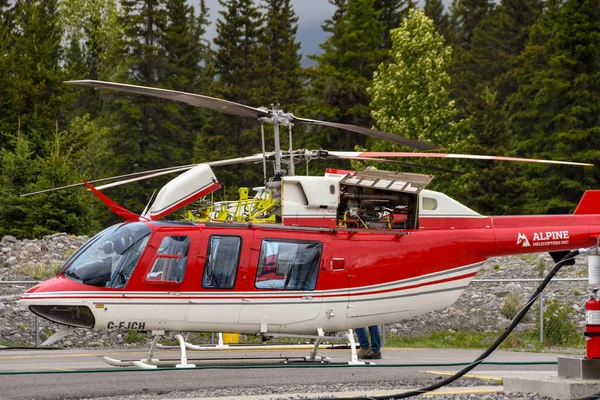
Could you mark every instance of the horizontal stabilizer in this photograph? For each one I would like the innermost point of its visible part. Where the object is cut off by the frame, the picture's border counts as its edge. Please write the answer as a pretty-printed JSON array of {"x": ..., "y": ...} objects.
[{"x": 589, "y": 203}]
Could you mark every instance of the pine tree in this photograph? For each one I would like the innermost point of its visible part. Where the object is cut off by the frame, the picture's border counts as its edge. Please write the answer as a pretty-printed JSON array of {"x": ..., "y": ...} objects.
[
  {"x": 491, "y": 188},
  {"x": 93, "y": 34},
  {"x": 495, "y": 45},
  {"x": 497, "y": 42},
  {"x": 35, "y": 216},
  {"x": 559, "y": 118},
  {"x": 391, "y": 14},
  {"x": 434, "y": 9},
  {"x": 34, "y": 87},
  {"x": 240, "y": 65},
  {"x": 6, "y": 66},
  {"x": 466, "y": 16},
  {"x": 344, "y": 70},
  {"x": 284, "y": 76}
]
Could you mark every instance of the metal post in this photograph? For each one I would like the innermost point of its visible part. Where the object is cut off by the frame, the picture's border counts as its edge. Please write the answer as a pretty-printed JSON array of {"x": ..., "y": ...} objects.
[
  {"x": 37, "y": 331},
  {"x": 278, "y": 171},
  {"x": 262, "y": 135},
  {"x": 542, "y": 317},
  {"x": 292, "y": 172}
]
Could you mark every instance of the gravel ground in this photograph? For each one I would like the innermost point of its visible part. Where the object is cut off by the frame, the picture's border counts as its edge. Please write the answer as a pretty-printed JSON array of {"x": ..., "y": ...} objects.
[{"x": 334, "y": 391}]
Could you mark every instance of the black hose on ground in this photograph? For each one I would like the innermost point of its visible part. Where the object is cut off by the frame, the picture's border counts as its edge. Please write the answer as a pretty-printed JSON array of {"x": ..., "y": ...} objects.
[{"x": 516, "y": 320}]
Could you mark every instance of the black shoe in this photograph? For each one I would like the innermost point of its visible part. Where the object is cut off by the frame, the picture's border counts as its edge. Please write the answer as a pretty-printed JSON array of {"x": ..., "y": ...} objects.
[{"x": 372, "y": 355}]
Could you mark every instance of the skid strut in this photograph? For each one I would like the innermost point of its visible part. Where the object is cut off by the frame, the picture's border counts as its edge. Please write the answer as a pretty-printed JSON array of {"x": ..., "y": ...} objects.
[{"x": 150, "y": 362}]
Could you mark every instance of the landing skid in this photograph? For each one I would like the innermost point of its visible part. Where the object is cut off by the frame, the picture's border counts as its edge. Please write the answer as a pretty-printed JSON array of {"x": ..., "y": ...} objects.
[{"x": 151, "y": 363}]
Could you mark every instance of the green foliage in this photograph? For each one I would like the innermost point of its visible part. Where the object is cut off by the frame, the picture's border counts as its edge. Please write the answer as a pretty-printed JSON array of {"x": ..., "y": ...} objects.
[
  {"x": 339, "y": 81},
  {"x": 37, "y": 216},
  {"x": 40, "y": 272},
  {"x": 133, "y": 336},
  {"x": 559, "y": 323},
  {"x": 523, "y": 79},
  {"x": 410, "y": 95},
  {"x": 554, "y": 111},
  {"x": 434, "y": 9},
  {"x": 283, "y": 54},
  {"x": 443, "y": 339},
  {"x": 46, "y": 333},
  {"x": 540, "y": 268},
  {"x": 512, "y": 305}
]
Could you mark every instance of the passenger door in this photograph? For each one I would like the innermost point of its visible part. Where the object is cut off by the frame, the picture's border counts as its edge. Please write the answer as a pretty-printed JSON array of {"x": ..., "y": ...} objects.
[
  {"x": 286, "y": 278},
  {"x": 217, "y": 302}
]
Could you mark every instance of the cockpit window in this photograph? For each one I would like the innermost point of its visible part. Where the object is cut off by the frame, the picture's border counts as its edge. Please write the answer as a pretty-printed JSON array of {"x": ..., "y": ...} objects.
[{"x": 109, "y": 258}]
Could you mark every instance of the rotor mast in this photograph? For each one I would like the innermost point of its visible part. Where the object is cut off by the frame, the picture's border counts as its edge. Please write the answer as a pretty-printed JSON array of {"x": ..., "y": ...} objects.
[{"x": 278, "y": 118}]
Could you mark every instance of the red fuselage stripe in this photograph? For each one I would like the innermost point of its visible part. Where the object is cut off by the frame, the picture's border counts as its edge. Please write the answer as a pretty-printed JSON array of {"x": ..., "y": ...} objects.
[{"x": 270, "y": 296}]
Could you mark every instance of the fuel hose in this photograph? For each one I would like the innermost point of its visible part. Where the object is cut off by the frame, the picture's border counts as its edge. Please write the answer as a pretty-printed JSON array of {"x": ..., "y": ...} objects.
[{"x": 516, "y": 320}]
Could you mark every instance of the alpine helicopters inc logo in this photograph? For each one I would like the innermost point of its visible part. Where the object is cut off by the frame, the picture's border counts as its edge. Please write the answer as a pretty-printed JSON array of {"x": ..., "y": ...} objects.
[{"x": 550, "y": 238}]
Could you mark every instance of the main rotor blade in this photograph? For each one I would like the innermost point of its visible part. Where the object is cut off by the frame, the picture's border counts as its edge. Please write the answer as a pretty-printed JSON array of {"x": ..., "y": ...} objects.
[
  {"x": 112, "y": 178},
  {"x": 415, "y": 144},
  {"x": 458, "y": 156},
  {"x": 220, "y": 105},
  {"x": 405, "y": 164},
  {"x": 137, "y": 176},
  {"x": 151, "y": 174}
]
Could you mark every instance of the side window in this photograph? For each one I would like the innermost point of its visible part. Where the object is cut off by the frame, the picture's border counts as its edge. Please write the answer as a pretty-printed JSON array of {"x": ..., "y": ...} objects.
[
  {"x": 222, "y": 259},
  {"x": 171, "y": 259},
  {"x": 289, "y": 265}
]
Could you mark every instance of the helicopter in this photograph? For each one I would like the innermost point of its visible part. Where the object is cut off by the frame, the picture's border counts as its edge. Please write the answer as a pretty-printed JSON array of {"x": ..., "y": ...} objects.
[{"x": 308, "y": 256}]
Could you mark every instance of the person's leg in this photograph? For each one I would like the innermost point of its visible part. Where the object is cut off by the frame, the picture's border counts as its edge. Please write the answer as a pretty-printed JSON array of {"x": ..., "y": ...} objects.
[
  {"x": 375, "y": 338},
  {"x": 375, "y": 352},
  {"x": 363, "y": 340}
]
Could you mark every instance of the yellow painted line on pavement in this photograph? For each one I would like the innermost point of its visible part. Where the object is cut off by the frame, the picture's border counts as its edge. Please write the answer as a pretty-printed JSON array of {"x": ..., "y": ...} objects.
[
  {"x": 47, "y": 355},
  {"x": 464, "y": 391},
  {"x": 489, "y": 378}
]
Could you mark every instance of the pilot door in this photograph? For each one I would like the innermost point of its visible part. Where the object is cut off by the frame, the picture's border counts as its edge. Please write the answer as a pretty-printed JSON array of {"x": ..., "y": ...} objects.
[
  {"x": 285, "y": 284},
  {"x": 165, "y": 267}
]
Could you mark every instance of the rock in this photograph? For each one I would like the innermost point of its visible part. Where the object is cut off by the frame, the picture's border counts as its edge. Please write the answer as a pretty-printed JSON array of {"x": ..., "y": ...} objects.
[
  {"x": 32, "y": 248},
  {"x": 8, "y": 239}
]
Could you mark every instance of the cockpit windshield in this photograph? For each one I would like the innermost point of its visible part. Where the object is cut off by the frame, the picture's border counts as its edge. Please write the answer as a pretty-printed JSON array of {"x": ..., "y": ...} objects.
[{"x": 109, "y": 258}]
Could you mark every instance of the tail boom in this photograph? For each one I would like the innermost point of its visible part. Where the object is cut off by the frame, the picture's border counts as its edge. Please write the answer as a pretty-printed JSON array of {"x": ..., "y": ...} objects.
[{"x": 544, "y": 233}]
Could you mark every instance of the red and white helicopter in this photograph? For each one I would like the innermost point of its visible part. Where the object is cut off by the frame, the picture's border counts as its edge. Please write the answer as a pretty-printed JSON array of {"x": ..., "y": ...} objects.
[{"x": 309, "y": 256}]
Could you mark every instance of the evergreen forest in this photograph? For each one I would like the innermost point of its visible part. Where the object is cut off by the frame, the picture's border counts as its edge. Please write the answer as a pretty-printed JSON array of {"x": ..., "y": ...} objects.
[{"x": 516, "y": 78}]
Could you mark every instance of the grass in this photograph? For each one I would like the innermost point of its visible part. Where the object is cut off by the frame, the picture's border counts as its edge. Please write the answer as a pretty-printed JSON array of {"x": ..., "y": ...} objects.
[
  {"x": 40, "y": 272},
  {"x": 133, "y": 336},
  {"x": 512, "y": 305},
  {"x": 468, "y": 340},
  {"x": 442, "y": 340}
]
